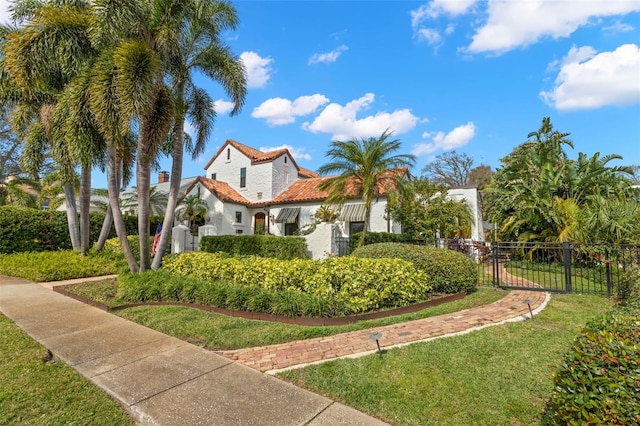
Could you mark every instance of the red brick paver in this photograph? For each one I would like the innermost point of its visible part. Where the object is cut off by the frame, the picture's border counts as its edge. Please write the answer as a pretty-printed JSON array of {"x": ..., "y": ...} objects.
[{"x": 287, "y": 355}]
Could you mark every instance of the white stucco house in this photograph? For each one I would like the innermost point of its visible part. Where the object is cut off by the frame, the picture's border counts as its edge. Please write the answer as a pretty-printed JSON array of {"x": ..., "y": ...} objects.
[{"x": 248, "y": 190}]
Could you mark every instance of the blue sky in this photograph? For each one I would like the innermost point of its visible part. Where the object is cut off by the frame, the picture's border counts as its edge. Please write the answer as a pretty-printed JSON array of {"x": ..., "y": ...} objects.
[{"x": 475, "y": 76}]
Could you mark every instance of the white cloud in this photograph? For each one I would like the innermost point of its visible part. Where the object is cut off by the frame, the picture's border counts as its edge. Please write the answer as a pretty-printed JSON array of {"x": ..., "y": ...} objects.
[
  {"x": 297, "y": 153},
  {"x": 588, "y": 80},
  {"x": 430, "y": 35},
  {"x": 456, "y": 138},
  {"x": 329, "y": 56},
  {"x": 619, "y": 27},
  {"x": 436, "y": 8},
  {"x": 280, "y": 111},
  {"x": 513, "y": 24},
  {"x": 258, "y": 69},
  {"x": 342, "y": 122},
  {"x": 222, "y": 106}
]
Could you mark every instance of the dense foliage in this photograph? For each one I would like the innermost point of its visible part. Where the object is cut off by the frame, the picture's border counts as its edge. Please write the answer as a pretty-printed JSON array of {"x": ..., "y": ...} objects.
[
  {"x": 539, "y": 194},
  {"x": 447, "y": 271},
  {"x": 55, "y": 266},
  {"x": 599, "y": 380},
  {"x": 284, "y": 248},
  {"x": 163, "y": 286},
  {"x": 363, "y": 284},
  {"x": 24, "y": 229},
  {"x": 113, "y": 250},
  {"x": 429, "y": 211},
  {"x": 382, "y": 237}
]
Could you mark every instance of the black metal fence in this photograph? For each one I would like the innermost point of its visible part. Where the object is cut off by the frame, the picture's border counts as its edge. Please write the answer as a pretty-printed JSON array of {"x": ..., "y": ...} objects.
[
  {"x": 562, "y": 267},
  {"x": 555, "y": 267}
]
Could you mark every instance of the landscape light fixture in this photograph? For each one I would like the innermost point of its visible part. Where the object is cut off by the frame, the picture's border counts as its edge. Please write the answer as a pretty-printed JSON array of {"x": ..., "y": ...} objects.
[
  {"x": 376, "y": 335},
  {"x": 528, "y": 302}
]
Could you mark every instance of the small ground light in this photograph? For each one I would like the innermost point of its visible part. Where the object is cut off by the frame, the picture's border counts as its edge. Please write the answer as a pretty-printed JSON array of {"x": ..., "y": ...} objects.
[
  {"x": 376, "y": 335},
  {"x": 528, "y": 302}
]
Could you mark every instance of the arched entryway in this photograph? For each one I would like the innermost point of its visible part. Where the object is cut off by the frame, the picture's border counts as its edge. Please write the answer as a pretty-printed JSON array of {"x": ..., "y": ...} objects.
[{"x": 259, "y": 223}]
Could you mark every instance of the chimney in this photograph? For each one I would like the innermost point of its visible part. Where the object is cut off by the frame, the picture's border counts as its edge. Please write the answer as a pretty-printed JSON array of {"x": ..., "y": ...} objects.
[{"x": 163, "y": 177}]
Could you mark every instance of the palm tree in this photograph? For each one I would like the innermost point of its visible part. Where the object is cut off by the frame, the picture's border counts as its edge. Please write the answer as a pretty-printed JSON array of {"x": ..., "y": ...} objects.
[
  {"x": 191, "y": 208},
  {"x": 366, "y": 168},
  {"x": 157, "y": 201},
  {"x": 200, "y": 49}
]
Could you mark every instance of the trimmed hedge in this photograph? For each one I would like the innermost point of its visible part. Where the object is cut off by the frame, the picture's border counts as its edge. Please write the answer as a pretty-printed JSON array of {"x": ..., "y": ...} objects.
[
  {"x": 163, "y": 286},
  {"x": 32, "y": 230},
  {"x": 378, "y": 237},
  {"x": 364, "y": 284},
  {"x": 599, "y": 380},
  {"x": 447, "y": 271},
  {"x": 284, "y": 248},
  {"x": 55, "y": 266}
]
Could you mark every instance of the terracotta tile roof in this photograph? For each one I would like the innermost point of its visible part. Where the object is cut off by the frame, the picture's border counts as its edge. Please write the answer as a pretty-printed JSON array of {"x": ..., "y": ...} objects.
[
  {"x": 305, "y": 173},
  {"x": 221, "y": 190},
  {"x": 306, "y": 190}
]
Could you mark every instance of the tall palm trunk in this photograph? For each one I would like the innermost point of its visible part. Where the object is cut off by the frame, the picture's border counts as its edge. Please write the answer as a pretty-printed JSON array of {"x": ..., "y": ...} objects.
[
  {"x": 72, "y": 215},
  {"x": 174, "y": 188},
  {"x": 85, "y": 204},
  {"x": 114, "y": 202},
  {"x": 143, "y": 181},
  {"x": 108, "y": 217}
]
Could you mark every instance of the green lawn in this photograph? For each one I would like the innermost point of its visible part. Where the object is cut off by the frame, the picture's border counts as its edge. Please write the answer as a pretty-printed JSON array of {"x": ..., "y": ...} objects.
[
  {"x": 33, "y": 392},
  {"x": 496, "y": 376},
  {"x": 551, "y": 276},
  {"x": 222, "y": 332}
]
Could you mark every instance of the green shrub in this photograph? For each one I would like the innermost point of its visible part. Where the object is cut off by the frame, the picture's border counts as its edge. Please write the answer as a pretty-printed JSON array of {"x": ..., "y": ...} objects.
[
  {"x": 359, "y": 285},
  {"x": 447, "y": 271},
  {"x": 284, "y": 248},
  {"x": 599, "y": 380},
  {"x": 377, "y": 237},
  {"x": 163, "y": 286},
  {"x": 112, "y": 248},
  {"x": 32, "y": 230},
  {"x": 628, "y": 286},
  {"x": 55, "y": 265}
]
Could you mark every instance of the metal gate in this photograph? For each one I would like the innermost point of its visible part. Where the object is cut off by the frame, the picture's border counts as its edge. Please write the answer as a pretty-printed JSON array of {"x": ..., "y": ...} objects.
[{"x": 562, "y": 267}]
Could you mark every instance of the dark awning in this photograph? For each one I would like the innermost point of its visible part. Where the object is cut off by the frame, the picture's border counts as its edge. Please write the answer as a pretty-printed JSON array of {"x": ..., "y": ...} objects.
[
  {"x": 352, "y": 213},
  {"x": 288, "y": 215}
]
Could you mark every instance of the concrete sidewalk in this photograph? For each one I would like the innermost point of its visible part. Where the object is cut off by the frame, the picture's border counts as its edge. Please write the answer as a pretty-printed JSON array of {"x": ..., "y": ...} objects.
[{"x": 162, "y": 380}]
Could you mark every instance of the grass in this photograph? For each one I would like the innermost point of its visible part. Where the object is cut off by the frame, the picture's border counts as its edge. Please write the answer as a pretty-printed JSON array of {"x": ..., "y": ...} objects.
[
  {"x": 499, "y": 375},
  {"x": 552, "y": 277},
  {"x": 221, "y": 332},
  {"x": 33, "y": 392}
]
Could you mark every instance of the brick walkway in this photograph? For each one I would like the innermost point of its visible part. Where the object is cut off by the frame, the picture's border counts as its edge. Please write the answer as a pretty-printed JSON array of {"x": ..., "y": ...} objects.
[{"x": 357, "y": 343}]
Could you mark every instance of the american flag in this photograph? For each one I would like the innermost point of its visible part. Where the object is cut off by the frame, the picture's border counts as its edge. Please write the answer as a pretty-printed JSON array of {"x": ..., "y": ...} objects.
[{"x": 156, "y": 239}]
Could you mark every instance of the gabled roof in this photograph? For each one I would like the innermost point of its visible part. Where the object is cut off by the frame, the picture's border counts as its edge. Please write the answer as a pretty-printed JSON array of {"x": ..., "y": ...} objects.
[
  {"x": 257, "y": 156},
  {"x": 221, "y": 190}
]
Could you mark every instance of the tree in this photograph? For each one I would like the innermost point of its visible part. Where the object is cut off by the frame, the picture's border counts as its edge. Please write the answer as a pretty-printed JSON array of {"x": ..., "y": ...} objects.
[
  {"x": 453, "y": 169},
  {"x": 9, "y": 148},
  {"x": 428, "y": 212},
  {"x": 190, "y": 209},
  {"x": 367, "y": 167},
  {"x": 157, "y": 201},
  {"x": 540, "y": 194},
  {"x": 199, "y": 49}
]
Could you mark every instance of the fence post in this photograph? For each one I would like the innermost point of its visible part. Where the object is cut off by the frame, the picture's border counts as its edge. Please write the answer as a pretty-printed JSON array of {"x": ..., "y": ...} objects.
[
  {"x": 494, "y": 264},
  {"x": 566, "y": 256},
  {"x": 607, "y": 268}
]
